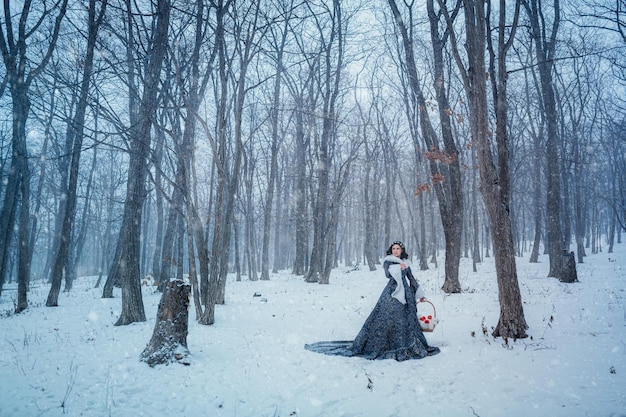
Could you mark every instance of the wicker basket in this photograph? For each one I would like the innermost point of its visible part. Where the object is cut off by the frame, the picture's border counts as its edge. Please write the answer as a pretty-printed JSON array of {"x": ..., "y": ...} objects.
[{"x": 428, "y": 322}]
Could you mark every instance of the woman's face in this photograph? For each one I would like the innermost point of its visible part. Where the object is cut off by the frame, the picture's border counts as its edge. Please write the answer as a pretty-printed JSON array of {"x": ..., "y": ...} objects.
[{"x": 396, "y": 250}]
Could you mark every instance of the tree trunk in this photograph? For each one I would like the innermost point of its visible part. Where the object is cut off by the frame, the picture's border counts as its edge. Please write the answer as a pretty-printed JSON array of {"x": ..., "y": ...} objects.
[
  {"x": 281, "y": 253},
  {"x": 40, "y": 186},
  {"x": 369, "y": 206},
  {"x": 320, "y": 225},
  {"x": 160, "y": 211},
  {"x": 476, "y": 258},
  {"x": 333, "y": 219},
  {"x": 300, "y": 191},
  {"x": 76, "y": 133},
  {"x": 443, "y": 164},
  {"x": 611, "y": 213},
  {"x": 569, "y": 274},
  {"x": 228, "y": 179},
  {"x": 452, "y": 207},
  {"x": 331, "y": 75},
  {"x": 271, "y": 182},
  {"x": 545, "y": 43},
  {"x": 251, "y": 249},
  {"x": 580, "y": 203},
  {"x": 423, "y": 247},
  {"x": 168, "y": 260},
  {"x": 127, "y": 267},
  {"x": 76, "y": 253},
  {"x": 17, "y": 174},
  {"x": 23, "y": 235},
  {"x": 537, "y": 216},
  {"x": 169, "y": 338},
  {"x": 494, "y": 181},
  {"x": 17, "y": 63},
  {"x": 107, "y": 244}
]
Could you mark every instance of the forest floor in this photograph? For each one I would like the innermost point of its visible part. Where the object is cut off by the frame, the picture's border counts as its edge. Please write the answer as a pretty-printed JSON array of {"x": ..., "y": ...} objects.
[{"x": 72, "y": 361}]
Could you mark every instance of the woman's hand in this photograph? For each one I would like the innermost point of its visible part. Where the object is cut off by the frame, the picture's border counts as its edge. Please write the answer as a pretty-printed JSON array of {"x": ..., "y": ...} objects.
[
  {"x": 402, "y": 265},
  {"x": 423, "y": 300}
]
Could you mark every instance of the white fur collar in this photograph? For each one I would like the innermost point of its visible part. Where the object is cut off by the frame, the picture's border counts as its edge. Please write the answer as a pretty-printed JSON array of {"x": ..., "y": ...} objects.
[{"x": 397, "y": 260}]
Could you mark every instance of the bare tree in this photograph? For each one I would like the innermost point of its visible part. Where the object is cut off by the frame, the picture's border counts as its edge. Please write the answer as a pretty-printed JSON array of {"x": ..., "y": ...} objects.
[
  {"x": 76, "y": 133},
  {"x": 494, "y": 179},
  {"x": 580, "y": 108},
  {"x": 332, "y": 50},
  {"x": 125, "y": 266},
  {"x": 192, "y": 71},
  {"x": 110, "y": 182},
  {"x": 16, "y": 34},
  {"x": 228, "y": 166},
  {"x": 197, "y": 87},
  {"x": 449, "y": 163},
  {"x": 341, "y": 180},
  {"x": 444, "y": 164},
  {"x": 249, "y": 171},
  {"x": 282, "y": 250},
  {"x": 618, "y": 147},
  {"x": 370, "y": 184},
  {"x": 278, "y": 45},
  {"x": 535, "y": 130},
  {"x": 301, "y": 88},
  {"x": 544, "y": 39}
]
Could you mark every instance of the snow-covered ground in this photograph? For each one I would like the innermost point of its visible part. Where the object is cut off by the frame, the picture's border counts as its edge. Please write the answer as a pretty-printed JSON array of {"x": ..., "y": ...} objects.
[{"x": 72, "y": 361}]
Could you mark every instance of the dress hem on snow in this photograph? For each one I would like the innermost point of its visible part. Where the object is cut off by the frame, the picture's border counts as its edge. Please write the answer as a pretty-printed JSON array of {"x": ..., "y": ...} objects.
[{"x": 391, "y": 331}]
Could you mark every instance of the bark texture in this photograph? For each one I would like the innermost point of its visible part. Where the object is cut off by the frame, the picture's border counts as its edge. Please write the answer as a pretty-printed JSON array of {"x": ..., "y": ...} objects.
[
  {"x": 568, "y": 269},
  {"x": 169, "y": 339}
]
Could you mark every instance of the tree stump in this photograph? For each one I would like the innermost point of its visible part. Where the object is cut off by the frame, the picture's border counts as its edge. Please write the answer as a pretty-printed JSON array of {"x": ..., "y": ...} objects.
[
  {"x": 169, "y": 339},
  {"x": 568, "y": 269}
]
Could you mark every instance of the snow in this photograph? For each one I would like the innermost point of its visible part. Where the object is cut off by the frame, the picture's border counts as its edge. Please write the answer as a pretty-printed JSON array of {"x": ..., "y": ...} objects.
[{"x": 72, "y": 361}]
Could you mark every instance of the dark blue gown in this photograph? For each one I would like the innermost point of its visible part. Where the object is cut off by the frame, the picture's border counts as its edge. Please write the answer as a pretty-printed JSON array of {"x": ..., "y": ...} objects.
[{"x": 391, "y": 331}]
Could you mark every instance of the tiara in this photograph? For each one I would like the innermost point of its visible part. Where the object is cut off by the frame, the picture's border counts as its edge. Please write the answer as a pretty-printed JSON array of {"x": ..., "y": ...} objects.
[{"x": 397, "y": 242}]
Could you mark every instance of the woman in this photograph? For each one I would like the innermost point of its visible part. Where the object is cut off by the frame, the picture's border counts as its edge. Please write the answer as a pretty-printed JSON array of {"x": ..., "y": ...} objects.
[{"x": 392, "y": 330}]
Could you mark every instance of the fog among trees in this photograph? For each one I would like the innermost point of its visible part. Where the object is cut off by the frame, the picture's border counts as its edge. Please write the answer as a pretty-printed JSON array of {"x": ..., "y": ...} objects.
[{"x": 199, "y": 138}]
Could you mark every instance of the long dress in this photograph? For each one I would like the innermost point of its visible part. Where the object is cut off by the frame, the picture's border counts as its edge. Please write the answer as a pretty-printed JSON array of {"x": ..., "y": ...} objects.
[{"x": 392, "y": 330}]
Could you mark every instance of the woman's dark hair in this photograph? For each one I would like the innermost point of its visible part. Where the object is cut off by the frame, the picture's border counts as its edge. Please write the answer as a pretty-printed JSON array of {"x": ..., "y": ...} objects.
[{"x": 403, "y": 255}]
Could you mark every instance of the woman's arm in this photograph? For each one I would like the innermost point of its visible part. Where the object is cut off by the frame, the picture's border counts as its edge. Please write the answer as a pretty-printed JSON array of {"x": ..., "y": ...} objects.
[
  {"x": 420, "y": 295},
  {"x": 386, "y": 269}
]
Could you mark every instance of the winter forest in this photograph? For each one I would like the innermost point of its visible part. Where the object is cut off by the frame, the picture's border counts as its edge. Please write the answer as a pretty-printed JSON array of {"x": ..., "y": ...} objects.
[{"x": 148, "y": 140}]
